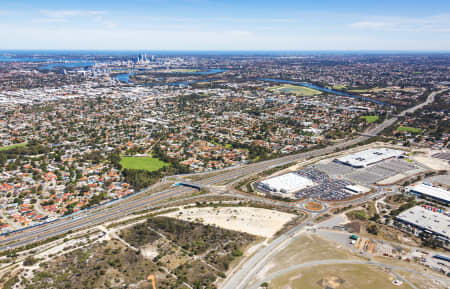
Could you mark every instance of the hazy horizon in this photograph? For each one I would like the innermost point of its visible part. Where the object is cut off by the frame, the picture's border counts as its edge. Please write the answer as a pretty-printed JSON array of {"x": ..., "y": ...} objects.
[{"x": 219, "y": 25}]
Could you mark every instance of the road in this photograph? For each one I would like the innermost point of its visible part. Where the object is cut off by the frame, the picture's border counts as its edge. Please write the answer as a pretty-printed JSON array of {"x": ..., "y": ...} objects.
[
  {"x": 430, "y": 99},
  {"x": 241, "y": 277},
  {"x": 127, "y": 206},
  {"x": 124, "y": 207}
]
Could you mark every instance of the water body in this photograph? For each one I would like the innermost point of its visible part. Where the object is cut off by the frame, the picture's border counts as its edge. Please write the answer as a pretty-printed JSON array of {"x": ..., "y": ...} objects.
[
  {"x": 211, "y": 71},
  {"x": 75, "y": 64},
  {"x": 125, "y": 77},
  {"x": 21, "y": 59},
  {"x": 323, "y": 89}
]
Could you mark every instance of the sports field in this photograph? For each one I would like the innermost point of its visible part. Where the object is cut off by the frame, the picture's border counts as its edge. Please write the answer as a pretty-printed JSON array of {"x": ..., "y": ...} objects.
[
  {"x": 295, "y": 89},
  {"x": 18, "y": 145},
  {"x": 409, "y": 129},
  {"x": 142, "y": 163},
  {"x": 370, "y": 118}
]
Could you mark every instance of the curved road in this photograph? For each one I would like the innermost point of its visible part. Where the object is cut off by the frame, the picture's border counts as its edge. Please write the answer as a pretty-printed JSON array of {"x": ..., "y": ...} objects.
[{"x": 241, "y": 277}]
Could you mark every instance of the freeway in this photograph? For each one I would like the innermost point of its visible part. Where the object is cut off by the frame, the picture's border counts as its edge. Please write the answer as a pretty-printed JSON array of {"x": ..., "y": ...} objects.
[
  {"x": 125, "y": 207},
  {"x": 430, "y": 99},
  {"x": 241, "y": 277},
  {"x": 140, "y": 201}
]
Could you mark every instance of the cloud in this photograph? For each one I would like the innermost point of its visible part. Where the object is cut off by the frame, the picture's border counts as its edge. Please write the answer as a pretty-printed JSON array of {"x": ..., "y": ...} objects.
[
  {"x": 106, "y": 23},
  {"x": 61, "y": 16},
  {"x": 435, "y": 23},
  {"x": 71, "y": 13},
  {"x": 370, "y": 24}
]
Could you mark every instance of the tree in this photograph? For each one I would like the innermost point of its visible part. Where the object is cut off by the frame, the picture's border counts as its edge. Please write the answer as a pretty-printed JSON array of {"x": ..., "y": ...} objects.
[
  {"x": 372, "y": 229},
  {"x": 29, "y": 261}
]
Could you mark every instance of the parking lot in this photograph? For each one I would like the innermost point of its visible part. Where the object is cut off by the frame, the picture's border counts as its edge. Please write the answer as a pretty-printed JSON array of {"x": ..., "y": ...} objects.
[
  {"x": 332, "y": 178},
  {"x": 328, "y": 189},
  {"x": 371, "y": 174},
  {"x": 442, "y": 156}
]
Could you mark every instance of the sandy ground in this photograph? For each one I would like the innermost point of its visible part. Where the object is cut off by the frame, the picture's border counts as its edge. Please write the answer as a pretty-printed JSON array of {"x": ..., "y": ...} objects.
[
  {"x": 398, "y": 177},
  {"x": 441, "y": 180},
  {"x": 149, "y": 252},
  {"x": 255, "y": 221},
  {"x": 433, "y": 163}
]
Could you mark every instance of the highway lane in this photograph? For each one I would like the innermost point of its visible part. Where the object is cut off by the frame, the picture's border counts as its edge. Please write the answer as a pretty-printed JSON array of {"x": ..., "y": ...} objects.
[
  {"x": 103, "y": 214},
  {"x": 240, "y": 278},
  {"x": 123, "y": 207},
  {"x": 430, "y": 99},
  {"x": 81, "y": 224},
  {"x": 91, "y": 219}
]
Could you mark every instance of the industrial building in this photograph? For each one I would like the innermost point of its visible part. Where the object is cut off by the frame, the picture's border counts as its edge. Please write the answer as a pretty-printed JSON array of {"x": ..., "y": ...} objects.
[
  {"x": 357, "y": 189},
  {"x": 369, "y": 157},
  {"x": 420, "y": 219},
  {"x": 287, "y": 184},
  {"x": 427, "y": 191}
]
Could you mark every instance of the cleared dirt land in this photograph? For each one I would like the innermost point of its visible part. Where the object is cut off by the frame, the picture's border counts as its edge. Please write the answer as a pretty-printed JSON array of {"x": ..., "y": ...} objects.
[
  {"x": 313, "y": 249},
  {"x": 305, "y": 249},
  {"x": 255, "y": 221},
  {"x": 337, "y": 277}
]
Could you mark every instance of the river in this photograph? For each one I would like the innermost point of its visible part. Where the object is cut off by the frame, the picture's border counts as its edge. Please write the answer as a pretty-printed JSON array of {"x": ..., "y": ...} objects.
[{"x": 324, "y": 89}]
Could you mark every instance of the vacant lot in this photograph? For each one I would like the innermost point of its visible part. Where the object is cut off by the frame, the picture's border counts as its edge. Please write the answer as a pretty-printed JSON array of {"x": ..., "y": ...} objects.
[
  {"x": 255, "y": 221},
  {"x": 295, "y": 89},
  {"x": 179, "y": 254},
  {"x": 305, "y": 249},
  {"x": 409, "y": 129},
  {"x": 337, "y": 277},
  {"x": 197, "y": 254},
  {"x": 142, "y": 163},
  {"x": 104, "y": 265}
]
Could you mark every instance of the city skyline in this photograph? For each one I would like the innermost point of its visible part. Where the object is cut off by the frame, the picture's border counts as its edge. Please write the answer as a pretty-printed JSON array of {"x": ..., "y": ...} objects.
[{"x": 226, "y": 25}]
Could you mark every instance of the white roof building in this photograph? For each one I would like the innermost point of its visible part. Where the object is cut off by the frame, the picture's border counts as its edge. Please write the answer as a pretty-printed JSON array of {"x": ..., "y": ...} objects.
[
  {"x": 369, "y": 157},
  {"x": 357, "y": 189},
  {"x": 424, "y": 190},
  {"x": 288, "y": 183},
  {"x": 427, "y": 220}
]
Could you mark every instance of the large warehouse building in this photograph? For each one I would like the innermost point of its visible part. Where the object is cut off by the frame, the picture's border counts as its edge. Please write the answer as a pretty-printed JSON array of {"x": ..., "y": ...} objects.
[
  {"x": 428, "y": 191},
  {"x": 287, "y": 184},
  {"x": 369, "y": 157},
  {"x": 421, "y": 219}
]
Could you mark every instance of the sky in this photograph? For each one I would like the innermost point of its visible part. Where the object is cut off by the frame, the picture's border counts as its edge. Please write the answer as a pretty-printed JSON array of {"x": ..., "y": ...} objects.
[{"x": 283, "y": 25}]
